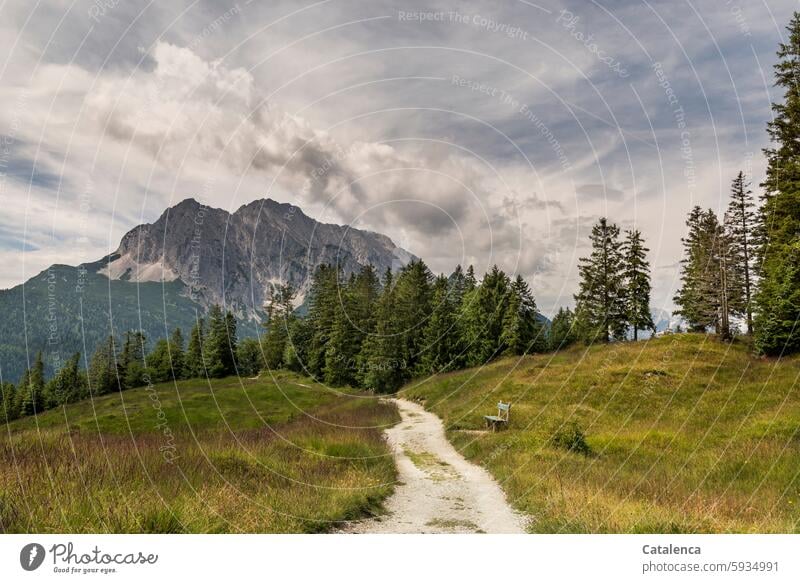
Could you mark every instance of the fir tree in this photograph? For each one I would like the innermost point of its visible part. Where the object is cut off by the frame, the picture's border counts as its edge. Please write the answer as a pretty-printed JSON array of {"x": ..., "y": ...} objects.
[
  {"x": 68, "y": 384},
  {"x": 355, "y": 319},
  {"x": 249, "y": 358},
  {"x": 220, "y": 345},
  {"x": 637, "y": 283},
  {"x": 194, "y": 366},
  {"x": 601, "y": 297},
  {"x": 131, "y": 366},
  {"x": 159, "y": 362},
  {"x": 295, "y": 354},
  {"x": 279, "y": 314},
  {"x": 323, "y": 303},
  {"x": 741, "y": 225},
  {"x": 31, "y": 391},
  {"x": 777, "y": 300},
  {"x": 482, "y": 315},
  {"x": 470, "y": 283},
  {"x": 412, "y": 305},
  {"x": 382, "y": 368},
  {"x": 521, "y": 333},
  {"x": 710, "y": 289},
  {"x": 8, "y": 403},
  {"x": 440, "y": 339},
  {"x": 177, "y": 355},
  {"x": 103, "y": 369},
  {"x": 562, "y": 330}
]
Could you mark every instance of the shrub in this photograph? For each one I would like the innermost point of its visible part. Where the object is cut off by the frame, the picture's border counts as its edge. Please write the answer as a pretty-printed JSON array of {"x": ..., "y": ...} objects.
[{"x": 571, "y": 437}]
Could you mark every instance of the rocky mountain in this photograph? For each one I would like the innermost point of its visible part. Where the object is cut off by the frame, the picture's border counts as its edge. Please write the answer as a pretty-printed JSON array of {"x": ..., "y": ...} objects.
[
  {"x": 165, "y": 274},
  {"x": 233, "y": 259}
]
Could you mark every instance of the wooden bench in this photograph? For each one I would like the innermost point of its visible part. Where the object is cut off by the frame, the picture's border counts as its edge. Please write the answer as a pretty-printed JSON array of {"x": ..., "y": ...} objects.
[{"x": 501, "y": 419}]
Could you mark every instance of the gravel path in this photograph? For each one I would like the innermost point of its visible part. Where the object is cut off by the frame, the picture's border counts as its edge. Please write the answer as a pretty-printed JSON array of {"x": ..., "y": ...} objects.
[{"x": 438, "y": 491}]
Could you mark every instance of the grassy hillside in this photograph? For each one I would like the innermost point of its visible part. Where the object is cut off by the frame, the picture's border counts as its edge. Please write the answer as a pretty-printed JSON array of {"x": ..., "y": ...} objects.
[
  {"x": 277, "y": 454},
  {"x": 684, "y": 434}
]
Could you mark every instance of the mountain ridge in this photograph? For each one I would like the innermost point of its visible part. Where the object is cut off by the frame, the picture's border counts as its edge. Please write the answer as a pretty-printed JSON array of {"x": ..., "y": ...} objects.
[{"x": 167, "y": 273}]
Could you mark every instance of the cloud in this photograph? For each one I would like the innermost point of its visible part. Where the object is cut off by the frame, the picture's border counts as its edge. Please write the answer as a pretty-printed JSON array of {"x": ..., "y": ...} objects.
[
  {"x": 601, "y": 191},
  {"x": 352, "y": 113}
]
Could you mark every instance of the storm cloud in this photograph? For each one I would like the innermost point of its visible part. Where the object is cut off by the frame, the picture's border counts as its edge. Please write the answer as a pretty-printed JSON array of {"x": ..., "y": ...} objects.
[{"x": 468, "y": 132}]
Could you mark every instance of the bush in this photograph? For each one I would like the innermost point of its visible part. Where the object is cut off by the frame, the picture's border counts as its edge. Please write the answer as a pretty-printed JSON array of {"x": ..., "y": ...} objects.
[{"x": 571, "y": 438}]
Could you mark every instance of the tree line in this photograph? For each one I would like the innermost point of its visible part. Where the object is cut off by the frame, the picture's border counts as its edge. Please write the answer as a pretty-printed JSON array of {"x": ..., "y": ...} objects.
[
  {"x": 116, "y": 365},
  {"x": 377, "y": 332},
  {"x": 747, "y": 264}
]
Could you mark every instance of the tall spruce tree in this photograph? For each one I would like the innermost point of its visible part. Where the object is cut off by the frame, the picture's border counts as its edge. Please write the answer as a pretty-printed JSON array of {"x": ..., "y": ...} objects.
[
  {"x": 382, "y": 368},
  {"x": 637, "y": 283},
  {"x": 741, "y": 227},
  {"x": 177, "y": 354},
  {"x": 68, "y": 384},
  {"x": 159, "y": 362},
  {"x": 279, "y": 315},
  {"x": 31, "y": 390},
  {"x": 131, "y": 366},
  {"x": 194, "y": 365},
  {"x": 440, "y": 340},
  {"x": 600, "y": 308},
  {"x": 323, "y": 304},
  {"x": 521, "y": 333},
  {"x": 249, "y": 357},
  {"x": 412, "y": 304},
  {"x": 103, "y": 368},
  {"x": 710, "y": 291},
  {"x": 562, "y": 330},
  {"x": 220, "y": 345},
  {"x": 777, "y": 301},
  {"x": 354, "y": 320},
  {"x": 8, "y": 402},
  {"x": 482, "y": 316}
]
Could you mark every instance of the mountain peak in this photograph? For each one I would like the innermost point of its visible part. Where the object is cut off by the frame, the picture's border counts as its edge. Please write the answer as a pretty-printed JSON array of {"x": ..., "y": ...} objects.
[{"x": 234, "y": 258}]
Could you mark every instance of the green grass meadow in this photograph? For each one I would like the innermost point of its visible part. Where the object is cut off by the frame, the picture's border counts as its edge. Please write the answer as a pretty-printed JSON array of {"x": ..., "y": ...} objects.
[
  {"x": 679, "y": 434},
  {"x": 278, "y": 454}
]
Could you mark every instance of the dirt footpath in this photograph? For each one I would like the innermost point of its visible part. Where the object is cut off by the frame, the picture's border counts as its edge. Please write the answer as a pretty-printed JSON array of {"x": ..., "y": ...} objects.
[{"x": 439, "y": 491}]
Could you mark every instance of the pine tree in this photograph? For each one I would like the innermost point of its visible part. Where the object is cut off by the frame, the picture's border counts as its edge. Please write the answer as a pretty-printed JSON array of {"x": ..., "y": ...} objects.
[
  {"x": 8, "y": 403},
  {"x": 159, "y": 362},
  {"x": 177, "y": 355},
  {"x": 195, "y": 364},
  {"x": 295, "y": 354},
  {"x": 323, "y": 304},
  {"x": 355, "y": 319},
  {"x": 220, "y": 345},
  {"x": 412, "y": 304},
  {"x": 440, "y": 339},
  {"x": 103, "y": 369},
  {"x": 521, "y": 333},
  {"x": 279, "y": 315},
  {"x": 382, "y": 368},
  {"x": 31, "y": 392},
  {"x": 710, "y": 291},
  {"x": 741, "y": 226},
  {"x": 562, "y": 330},
  {"x": 600, "y": 300},
  {"x": 470, "y": 283},
  {"x": 249, "y": 358},
  {"x": 482, "y": 315},
  {"x": 131, "y": 366},
  {"x": 637, "y": 283},
  {"x": 67, "y": 386},
  {"x": 777, "y": 300}
]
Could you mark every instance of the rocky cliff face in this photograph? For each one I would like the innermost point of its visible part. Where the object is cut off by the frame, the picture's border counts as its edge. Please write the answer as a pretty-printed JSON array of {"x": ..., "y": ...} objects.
[
  {"x": 232, "y": 258},
  {"x": 164, "y": 274}
]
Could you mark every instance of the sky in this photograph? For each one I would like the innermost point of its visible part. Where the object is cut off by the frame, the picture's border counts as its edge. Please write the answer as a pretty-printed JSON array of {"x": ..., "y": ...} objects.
[{"x": 480, "y": 133}]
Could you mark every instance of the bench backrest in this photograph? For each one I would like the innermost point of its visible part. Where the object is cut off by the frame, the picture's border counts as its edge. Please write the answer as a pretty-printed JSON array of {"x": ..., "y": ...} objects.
[{"x": 503, "y": 410}]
